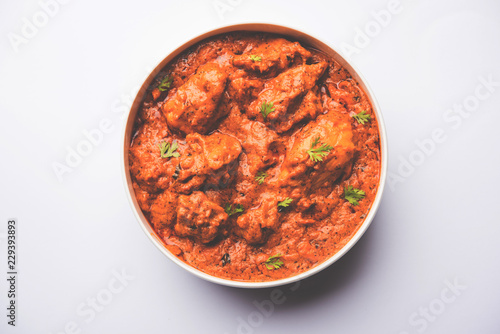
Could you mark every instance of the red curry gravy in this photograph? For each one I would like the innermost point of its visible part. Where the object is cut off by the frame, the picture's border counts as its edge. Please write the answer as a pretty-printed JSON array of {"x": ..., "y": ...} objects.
[{"x": 246, "y": 152}]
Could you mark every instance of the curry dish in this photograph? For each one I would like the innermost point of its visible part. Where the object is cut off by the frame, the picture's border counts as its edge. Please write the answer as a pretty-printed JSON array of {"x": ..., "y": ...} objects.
[{"x": 253, "y": 157}]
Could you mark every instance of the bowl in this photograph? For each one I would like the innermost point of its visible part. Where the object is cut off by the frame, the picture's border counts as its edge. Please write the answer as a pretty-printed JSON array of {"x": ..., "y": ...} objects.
[{"x": 295, "y": 35}]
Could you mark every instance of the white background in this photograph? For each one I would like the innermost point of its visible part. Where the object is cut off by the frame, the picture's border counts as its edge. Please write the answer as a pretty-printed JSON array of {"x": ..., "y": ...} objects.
[{"x": 438, "y": 220}]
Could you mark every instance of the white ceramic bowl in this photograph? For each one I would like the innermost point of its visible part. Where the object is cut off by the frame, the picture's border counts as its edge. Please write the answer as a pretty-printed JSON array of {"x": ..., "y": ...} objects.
[{"x": 294, "y": 35}]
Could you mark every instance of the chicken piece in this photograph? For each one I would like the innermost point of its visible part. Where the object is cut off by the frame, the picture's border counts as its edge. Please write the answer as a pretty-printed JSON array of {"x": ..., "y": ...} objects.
[
  {"x": 333, "y": 129},
  {"x": 209, "y": 160},
  {"x": 351, "y": 95},
  {"x": 142, "y": 196},
  {"x": 163, "y": 210},
  {"x": 283, "y": 91},
  {"x": 241, "y": 88},
  {"x": 309, "y": 108},
  {"x": 316, "y": 207},
  {"x": 346, "y": 92},
  {"x": 256, "y": 224},
  {"x": 199, "y": 218},
  {"x": 150, "y": 170},
  {"x": 257, "y": 140},
  {"x": 193, "y": 107},
  {"x": 275, "y": 54}
]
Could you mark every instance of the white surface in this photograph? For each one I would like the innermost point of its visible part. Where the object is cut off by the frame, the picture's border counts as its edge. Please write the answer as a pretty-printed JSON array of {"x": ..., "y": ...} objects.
[{"x": 440, "y": 223}]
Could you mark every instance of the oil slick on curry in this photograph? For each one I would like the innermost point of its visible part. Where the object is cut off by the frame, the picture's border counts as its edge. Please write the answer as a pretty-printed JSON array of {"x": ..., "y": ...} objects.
[{"x": 255, "y": 158}]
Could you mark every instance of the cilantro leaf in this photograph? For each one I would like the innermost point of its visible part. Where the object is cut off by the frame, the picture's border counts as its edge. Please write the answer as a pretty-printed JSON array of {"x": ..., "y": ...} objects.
[
  {"x": 167, "y": 150},
  {"x": 274, "y": 262},
  {"x": 165, "y": 83},
  {"x": 353, "y": 195},
  {"x": 266, "y": 109},
  {"x": 285, "y": 203},
  {"x": 260, "y": 177},
  {"x": 315, "y": 142},
  {"x": 231, "y": 211},
  {"x": 317, "y": 154},
  {"x": 362, "y": 117},
  {"x": 255, "y": 58}
]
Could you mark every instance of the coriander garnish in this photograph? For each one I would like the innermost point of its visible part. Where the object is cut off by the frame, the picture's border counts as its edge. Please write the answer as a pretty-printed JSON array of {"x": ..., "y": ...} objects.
[
  {"x": 260, "y": 177},
  {"x": 266, "y": 109},
  {"x": 231, "y": 211},
  {"x": 274, "y": 262},
  {"x": 165, "y": 83},
  {"x": 362, "y": 117},
  {"x": 317, "y": 154},
  {"x": 167, "y": 150},
  {"x": 255, "y": 58},
  {"x": 353, "y": 195},
  {"x": 285, "y": 203}
]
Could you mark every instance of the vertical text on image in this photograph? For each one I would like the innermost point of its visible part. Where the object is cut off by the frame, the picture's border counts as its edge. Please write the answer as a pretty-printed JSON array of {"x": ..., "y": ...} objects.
[{"x": 12, "y": 272}]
